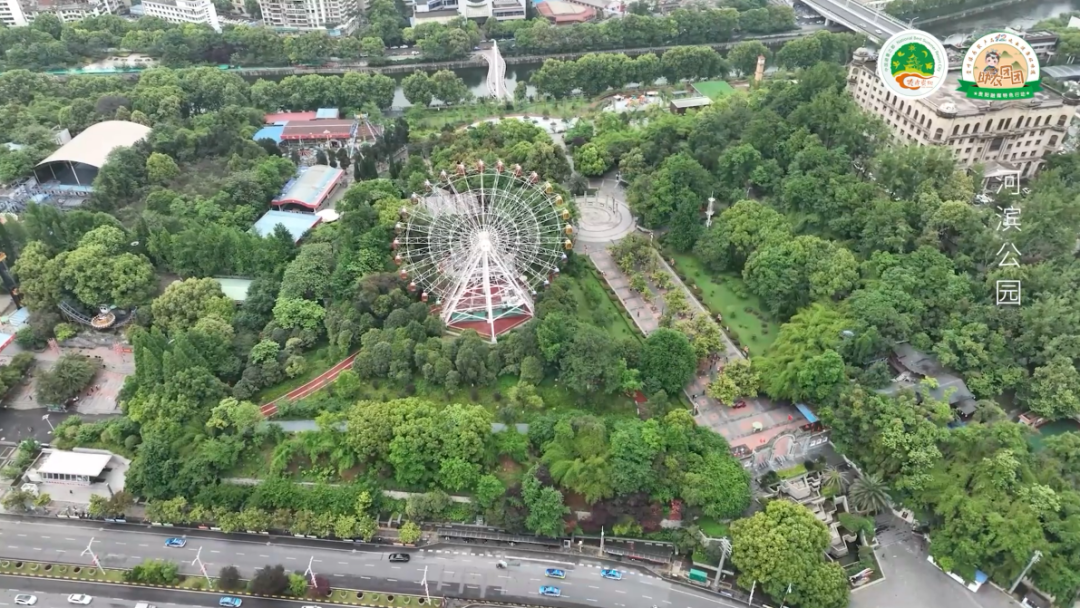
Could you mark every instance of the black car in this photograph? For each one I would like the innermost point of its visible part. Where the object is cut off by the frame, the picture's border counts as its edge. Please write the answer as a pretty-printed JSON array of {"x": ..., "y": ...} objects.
[{"x": 399, "y": 557}]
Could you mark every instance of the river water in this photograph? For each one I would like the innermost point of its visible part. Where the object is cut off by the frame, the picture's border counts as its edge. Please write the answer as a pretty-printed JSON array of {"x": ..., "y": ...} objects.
[{"x": 1019, "y": 16}]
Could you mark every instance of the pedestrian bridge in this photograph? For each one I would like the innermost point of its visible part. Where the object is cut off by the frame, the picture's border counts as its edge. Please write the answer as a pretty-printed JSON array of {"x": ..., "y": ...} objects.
[
  {"x": 852, "y": 14},
  {"x": 496, "y": 75}
]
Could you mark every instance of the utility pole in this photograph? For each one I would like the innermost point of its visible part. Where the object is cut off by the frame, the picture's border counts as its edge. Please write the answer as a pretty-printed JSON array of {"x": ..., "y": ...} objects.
[
  {"x": 198, "y": 562},
  {"x": 1035, "y": 557},
  {"x": 725, "y": 550},
  {"x": 309, "y": 573},
  {"x": 750, "y": 602},
  {"x": 90, "y": 549},
  {"x": 601, "y": 541}
]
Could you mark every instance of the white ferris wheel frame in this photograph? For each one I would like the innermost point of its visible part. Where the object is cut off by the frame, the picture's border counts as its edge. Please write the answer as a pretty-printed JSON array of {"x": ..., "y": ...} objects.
[{"x": 482, "y": 242}]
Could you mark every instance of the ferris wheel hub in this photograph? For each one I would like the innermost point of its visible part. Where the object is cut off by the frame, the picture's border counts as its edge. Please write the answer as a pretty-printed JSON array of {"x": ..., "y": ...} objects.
[{"x": 483, "y": 240}]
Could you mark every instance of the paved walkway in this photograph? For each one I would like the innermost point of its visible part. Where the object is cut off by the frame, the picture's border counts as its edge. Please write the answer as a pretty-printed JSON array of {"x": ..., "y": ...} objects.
[
  {"x": 612, "y": 222},
  {"x": 318, "y": 383}
]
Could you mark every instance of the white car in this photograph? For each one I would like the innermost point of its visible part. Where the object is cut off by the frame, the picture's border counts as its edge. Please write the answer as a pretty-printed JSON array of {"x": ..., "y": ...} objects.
[
  {"x": 78, "y": 598},
  {"x": 310, "y": 607},
  {"x": 25, "y": 599}
]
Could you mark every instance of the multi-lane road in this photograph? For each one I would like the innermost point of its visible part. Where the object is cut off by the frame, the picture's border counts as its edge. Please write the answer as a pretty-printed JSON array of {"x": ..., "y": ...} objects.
[
  {"x": 449, "y": 570},
  {"x": 854, "y": 14}
]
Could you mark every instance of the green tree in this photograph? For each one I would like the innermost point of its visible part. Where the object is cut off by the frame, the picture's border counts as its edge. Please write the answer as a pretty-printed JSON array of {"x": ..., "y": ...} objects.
[
  {"x": 409, "y": 533},
  {"x": 161, "y": 169},
  {"x": 718, "y": 484},
  {"x": 783, "y": 546},
  {"x": 545, "y": 506},
  {"x": 737, "y": 379},
  {"x": 185, "y": 302},
  {"x": 228, "y": 579},
  {"x": 668, "y": 361},
  {"x": 869, "y": 494},
  {"x": 488, "y": 490}
]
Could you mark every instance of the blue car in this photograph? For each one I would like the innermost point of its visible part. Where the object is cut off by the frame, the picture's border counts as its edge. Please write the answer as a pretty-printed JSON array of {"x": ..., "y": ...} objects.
[
  {"x": 549, "y": 590},
  {"x": 175, "y": 543},
  {"x": 229, "y": 601},
  {"x": 614, "y": 575},
  {"x": 555, "y": 573}
]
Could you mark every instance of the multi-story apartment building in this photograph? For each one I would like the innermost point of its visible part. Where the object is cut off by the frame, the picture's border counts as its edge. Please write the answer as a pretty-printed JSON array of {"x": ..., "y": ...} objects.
[
  {"x": 307, "y": 15},
  {"x": 12, "y": 13},
  {"x": 426, "y": 11},
  {"x": 183, "y": 11},
  {"x": 1015, "y": 133}
]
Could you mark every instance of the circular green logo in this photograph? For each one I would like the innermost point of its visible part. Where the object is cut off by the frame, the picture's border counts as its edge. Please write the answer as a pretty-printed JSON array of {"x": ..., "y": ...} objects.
[{"x": 913, "y": 58}]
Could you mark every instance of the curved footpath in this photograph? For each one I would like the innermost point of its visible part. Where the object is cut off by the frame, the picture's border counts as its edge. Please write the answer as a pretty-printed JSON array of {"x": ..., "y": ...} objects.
[{"x": 271, "y": 408}]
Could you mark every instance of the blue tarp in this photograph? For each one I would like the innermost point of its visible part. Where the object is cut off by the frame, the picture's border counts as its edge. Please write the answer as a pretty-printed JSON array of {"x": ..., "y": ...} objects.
[
  {"x": 322, "y": 113},
  {"x": 19, "y": 318},
  {"x": 273, "y": 133},
  {"x": 805, "y": 411},
  {"x": 980, "y": 577}
]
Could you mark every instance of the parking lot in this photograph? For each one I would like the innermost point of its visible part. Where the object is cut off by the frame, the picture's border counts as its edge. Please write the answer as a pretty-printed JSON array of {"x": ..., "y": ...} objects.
[{"x": 911, "y": 581}]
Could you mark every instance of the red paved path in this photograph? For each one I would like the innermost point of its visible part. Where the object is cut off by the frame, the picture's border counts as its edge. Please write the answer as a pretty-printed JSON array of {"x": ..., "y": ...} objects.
[{"x": 269, "y": 409}]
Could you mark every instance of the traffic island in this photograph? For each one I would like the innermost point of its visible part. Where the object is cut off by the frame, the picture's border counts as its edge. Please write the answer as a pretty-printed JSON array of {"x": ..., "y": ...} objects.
[{"x": 113, "y": 576}]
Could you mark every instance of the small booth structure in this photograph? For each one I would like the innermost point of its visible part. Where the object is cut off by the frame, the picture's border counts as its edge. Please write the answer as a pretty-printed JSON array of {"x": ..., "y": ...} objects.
[{"x": 298, "y": 224}]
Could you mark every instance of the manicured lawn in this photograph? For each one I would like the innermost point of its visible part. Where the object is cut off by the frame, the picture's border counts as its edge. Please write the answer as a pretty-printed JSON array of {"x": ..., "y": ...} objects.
[
  {"x": 719, "y": 294},
  {"x": 433, "y": 119},
  {"x": 714, "y": 89},
  {"x": 712, "y": 528},
  {"x": 318, "y": 361},
  {"x": 620, "y": 326}
]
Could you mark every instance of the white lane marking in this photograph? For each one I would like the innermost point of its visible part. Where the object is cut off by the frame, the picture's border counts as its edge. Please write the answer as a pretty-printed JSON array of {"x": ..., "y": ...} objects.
[
  {"x": 448, "y": 571},
  {"x": 293, "y": 558},
  {"x": 37, "y": 548},
  {"x": 395, "y": 567},
  {"x": 666, "y": 602},
  {"x": 534, "y": 579},
  {"x": 589, "y": 599},
  {"x": 506, "y": 577},
  {"x": 318, "y": 561},
  {"x": 646, "y": 597},
  {"x": 144, "y": 545},
  {"x": 11, "y": 547},
  {"x": 593, "y": 587},
  {"x": 212, "y": 551},
  {"x": 239, "y": 553},
  {"x": 69, "y": 539},
  {"x": 369, "y": 565},
  {"x": 366, "y": 578},
  {"x": 472, "y": 586},
  {"x": 21, "y": 535},
  {"x": 122, "y": 544},
  {"x": 264, "y": 556},
  {"x": 392, "y": 580},
  {"x": 343, "y": 563},
  {"x": 339, "y": 575},
  {"x": 620, "y": 591}
]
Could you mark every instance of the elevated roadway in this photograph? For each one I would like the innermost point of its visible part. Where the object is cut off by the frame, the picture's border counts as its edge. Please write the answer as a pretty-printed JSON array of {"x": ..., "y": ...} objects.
[
  {"x": 451, "y": 570},
  {"x": 876, "y": 24}
]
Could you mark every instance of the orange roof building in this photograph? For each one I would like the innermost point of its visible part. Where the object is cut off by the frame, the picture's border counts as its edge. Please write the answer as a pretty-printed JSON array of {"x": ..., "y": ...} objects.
[{"x": 565, "y": 13}]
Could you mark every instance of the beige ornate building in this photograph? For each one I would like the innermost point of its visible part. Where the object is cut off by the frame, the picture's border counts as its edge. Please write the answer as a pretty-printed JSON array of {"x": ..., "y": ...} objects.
[{"x": 1016, "y": 134}]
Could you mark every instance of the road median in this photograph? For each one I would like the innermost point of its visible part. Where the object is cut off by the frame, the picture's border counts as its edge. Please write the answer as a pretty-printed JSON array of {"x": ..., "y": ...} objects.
[{"x": 116, "y": 576}]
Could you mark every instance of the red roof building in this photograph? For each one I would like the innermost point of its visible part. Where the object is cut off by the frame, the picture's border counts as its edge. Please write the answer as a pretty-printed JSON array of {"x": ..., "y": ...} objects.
[
  {"x": 565, "y": 13},
  {"x": 302, "y": 130},
  {"x": 283, "y": 117}
]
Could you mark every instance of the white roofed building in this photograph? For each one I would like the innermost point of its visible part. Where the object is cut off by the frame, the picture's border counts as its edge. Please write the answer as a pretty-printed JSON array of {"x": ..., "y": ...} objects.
[{"x": 76, "y": 468}]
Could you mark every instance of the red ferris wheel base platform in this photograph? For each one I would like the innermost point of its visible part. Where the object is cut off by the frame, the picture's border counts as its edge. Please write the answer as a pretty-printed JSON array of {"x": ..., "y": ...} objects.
[{"x": 482, "y": 327}]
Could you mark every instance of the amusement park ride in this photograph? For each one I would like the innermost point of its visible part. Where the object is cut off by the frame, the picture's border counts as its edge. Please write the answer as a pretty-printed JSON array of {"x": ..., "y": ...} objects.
[{"x": 480, "y": 243}]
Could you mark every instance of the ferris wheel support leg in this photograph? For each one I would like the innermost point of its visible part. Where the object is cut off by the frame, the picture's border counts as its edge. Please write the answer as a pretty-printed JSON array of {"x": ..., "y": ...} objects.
[{"x": 487, "y": 297}]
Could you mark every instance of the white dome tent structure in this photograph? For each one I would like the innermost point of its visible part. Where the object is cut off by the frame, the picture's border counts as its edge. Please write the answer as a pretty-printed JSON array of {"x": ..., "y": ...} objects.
[{"x": 480, "y": 243}]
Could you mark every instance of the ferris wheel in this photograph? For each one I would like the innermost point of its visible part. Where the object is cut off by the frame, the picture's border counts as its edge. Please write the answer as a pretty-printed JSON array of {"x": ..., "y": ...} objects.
[{"x": 481, "y": 242}]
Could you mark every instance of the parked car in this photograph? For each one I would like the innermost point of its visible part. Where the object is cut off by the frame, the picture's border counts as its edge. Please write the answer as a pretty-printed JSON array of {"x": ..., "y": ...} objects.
[
  {"x": 228, "y": 601},
  {"x": 25, "y": 599},
  {"x": 614, "y": 575},
  {"x": 399, "y": 557},
  {"x": 555, "y": 573},
  {"x": 78, "y": 598},
  {"x": 549, "y": 590},
  {"x": 175, "y": 543}
]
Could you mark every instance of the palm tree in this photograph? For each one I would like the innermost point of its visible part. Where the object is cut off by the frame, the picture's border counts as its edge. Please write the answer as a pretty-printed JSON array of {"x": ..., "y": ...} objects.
[
  {"x": 835, "y": 480},
  {"x": 869, "y": 494}
]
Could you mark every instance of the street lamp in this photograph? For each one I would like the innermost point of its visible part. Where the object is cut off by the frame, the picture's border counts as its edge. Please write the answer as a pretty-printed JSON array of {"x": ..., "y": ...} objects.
[{"x": 51, "y": 427}]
